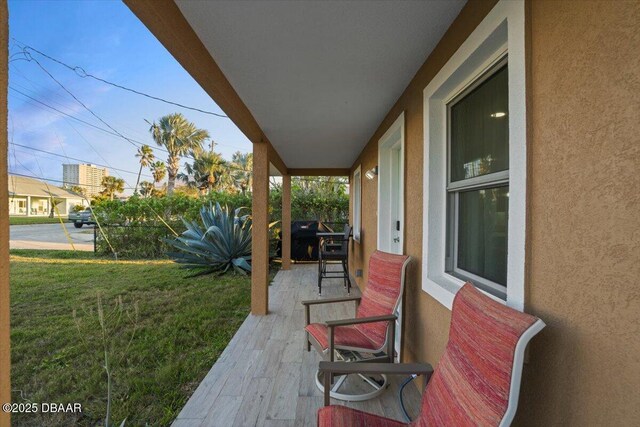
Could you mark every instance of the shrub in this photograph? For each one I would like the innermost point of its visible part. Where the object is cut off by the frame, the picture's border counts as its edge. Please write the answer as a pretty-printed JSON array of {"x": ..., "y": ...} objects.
[
  {"x": 223, "y": 243},
  {"x": 157, "y": 210},
  {"x": 325, "y": 207},
  {"x": 138, "y": 227},
  {"x": 135, "y": 241}
]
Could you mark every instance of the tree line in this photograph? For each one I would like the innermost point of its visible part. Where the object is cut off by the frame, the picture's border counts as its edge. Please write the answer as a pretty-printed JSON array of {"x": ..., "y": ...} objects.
[{"x": 204, "y": 172}]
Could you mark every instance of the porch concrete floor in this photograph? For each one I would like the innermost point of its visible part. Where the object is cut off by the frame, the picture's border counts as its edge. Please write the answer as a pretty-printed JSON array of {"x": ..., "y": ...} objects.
[{"x": 265, "y": 376}]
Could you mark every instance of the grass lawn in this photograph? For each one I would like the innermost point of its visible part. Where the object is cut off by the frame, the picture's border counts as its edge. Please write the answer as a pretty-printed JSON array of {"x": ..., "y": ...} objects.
[
  {"x": 183, "y": 326},
  {"x": 27, "y": 220}
]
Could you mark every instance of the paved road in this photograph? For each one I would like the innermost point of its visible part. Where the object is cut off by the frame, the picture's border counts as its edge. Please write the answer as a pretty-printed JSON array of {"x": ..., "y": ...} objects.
[{"x": 50, "y": 236}]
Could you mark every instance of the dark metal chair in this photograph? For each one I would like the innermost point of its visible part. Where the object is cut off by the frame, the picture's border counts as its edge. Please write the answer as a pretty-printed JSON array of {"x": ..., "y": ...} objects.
[{"x": 334, "y": 247}]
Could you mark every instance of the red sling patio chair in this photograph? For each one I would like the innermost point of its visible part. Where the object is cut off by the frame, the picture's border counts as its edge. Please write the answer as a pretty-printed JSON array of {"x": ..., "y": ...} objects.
[
  {"x": 477, "y": 381},
  {"x": 370, "y": 335}
]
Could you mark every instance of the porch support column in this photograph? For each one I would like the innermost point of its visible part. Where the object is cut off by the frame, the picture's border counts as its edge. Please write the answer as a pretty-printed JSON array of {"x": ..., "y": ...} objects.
[
  {"x": 286, "y": 222},
  {"x": 28, "y": 205},
  {"x": 259, "y": 231},
  {"x": 5, "y": 353}
]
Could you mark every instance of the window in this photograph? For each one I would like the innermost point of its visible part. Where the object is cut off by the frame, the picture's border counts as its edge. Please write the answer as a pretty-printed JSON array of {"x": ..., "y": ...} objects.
[
  {"x": 475, "y": 164},
  {"x": 357, "y": 203},
  {"x": 478, "y": 182}
]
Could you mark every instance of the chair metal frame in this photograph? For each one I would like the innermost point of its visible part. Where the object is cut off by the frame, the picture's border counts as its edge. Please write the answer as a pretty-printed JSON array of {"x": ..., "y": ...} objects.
[
  {"x": 334, "y": 247},
  {"x": 329, "y": 369},
  {"x": 350, "y": 355}
]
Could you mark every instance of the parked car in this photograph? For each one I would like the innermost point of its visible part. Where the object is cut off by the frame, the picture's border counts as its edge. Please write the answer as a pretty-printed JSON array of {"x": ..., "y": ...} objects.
[{"x": 81, "y": 218}]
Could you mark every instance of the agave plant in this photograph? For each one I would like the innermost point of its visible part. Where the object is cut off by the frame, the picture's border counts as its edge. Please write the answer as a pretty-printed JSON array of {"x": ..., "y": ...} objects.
[{"x": 223, "y": 243}]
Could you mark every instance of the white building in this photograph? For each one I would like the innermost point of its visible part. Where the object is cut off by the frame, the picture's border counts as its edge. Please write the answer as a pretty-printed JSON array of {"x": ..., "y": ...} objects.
[
  {"x": 30, "y": 197},
  {"x": 87, "y": 176}
]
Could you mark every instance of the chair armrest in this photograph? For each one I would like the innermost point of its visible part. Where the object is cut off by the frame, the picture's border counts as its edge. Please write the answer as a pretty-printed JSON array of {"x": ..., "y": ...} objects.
[
  {"x": 341, "y": 368},
  {"x": 308, "y": 303},
  {"x": 359, "y": 320},
  {"x": 331, "y": 234},
  {"x": 330, "y": 300},
  {"x": 376, "y": 368}
]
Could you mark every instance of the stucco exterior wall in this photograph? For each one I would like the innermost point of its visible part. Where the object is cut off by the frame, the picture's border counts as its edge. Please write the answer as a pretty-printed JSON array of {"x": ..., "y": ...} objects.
[
  {"x": 583, "y": 231},
  {"x": 584, "y": 239}
]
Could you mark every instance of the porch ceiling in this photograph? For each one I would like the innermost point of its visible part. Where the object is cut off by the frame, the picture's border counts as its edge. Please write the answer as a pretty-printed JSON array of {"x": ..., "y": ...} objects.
[{"x": 319, "y": 77}]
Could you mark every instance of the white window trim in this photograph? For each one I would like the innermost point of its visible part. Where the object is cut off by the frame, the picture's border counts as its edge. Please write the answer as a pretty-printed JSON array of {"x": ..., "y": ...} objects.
[
  {"x": 500, "y": 33},
  {"x": 357, "y": 204}
]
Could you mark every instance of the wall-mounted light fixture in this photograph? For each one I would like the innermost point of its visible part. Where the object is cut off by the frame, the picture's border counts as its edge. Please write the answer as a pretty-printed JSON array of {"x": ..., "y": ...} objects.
[{"x": 371, "y": 173}]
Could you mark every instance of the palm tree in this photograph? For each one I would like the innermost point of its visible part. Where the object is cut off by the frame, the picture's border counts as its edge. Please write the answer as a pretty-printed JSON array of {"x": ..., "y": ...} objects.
[
  {"x": 112, "y": 185},
  {"x": 145, "y": 153},
  {"x": 146, "y": 188},
  {"x": 82, "y": 191},
  {"x": 242, "y": 170},
  {"x": 159, "y": 171},
  {"x": 207, "y": 171},
  {"x": 179, "y": 136}
]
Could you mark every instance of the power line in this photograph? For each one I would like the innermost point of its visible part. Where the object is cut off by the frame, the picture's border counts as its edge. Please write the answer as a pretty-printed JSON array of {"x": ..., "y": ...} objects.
[
  {"x": 133, "y": 141},
  {"x": 106, "y": 131},
  {"x": 56, "y": 180},
  {"x": 51, "y": 96},
  {"x": 94, "y": 150},
  {"x": 83, "y": 104},
  {"x": 319, "y": 180},
  {"x": 84, "y": 122},
  {"x": 100, "y": 128},
  {"x": 65, "y": 89},
  {"x": 81, "y": 72},
  {"x": 76, "y": 159},
  {"x": 115, "y": 132},
  {"x": 129, "y": 140},
  {"x": 135, "y": 190}
]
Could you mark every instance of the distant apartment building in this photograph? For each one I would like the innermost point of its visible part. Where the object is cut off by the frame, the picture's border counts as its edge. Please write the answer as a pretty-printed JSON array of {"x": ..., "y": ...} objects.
[{"x": 86, "y": 176}]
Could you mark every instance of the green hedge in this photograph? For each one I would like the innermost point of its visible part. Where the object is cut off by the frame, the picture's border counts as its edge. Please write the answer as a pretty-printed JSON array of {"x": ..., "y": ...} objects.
[
  {"x": 135, "y": 227},
  {"x": 135, "y": 241},
  {"x": 326, "y": 207},
  {"x": 148, "y": 211}
]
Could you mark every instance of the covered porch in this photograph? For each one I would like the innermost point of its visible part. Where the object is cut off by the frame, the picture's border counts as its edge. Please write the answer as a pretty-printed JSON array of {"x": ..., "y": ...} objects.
[
  {"x": 29, "y": 205},
  {"x": 309, "y": 111},
  {"x": 265, "y": 376}
]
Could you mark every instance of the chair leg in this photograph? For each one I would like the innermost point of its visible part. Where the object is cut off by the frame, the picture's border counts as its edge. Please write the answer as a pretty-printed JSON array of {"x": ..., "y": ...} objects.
[
  {"x": 346, "y": 275},
  {"x": 331, "y": 353},
  {"x": 319, "y": 275},
  {"x": 391, "y": 345},
  {"x": 307, "y": 321}
]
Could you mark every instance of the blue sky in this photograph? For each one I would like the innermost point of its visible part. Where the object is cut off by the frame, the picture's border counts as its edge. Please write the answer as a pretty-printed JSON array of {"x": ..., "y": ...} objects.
[{"x": 107, "y": 40}]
